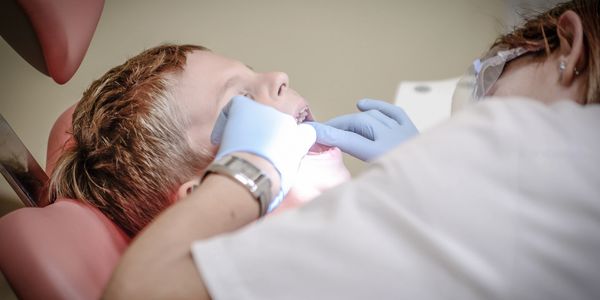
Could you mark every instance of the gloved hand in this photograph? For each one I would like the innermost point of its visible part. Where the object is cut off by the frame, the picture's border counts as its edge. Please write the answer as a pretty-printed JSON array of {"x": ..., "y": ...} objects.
[
  {"x": 248, "y": 126},
  {"x": 378, "y": 128}
]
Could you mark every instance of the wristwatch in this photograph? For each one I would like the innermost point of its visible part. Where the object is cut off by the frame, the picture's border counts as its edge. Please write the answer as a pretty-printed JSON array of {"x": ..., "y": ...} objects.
[{"x": 247, "y": 174}]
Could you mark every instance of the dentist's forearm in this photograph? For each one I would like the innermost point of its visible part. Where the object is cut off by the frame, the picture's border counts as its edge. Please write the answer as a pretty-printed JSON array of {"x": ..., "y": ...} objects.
[{"x": 159, "y": 264}]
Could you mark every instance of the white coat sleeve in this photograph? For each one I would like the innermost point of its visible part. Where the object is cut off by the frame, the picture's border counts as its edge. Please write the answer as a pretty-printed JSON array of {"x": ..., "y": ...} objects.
[{"x": 501, "y": 202}]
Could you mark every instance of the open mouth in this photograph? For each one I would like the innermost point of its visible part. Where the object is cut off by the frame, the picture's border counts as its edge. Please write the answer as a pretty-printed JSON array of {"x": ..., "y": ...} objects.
[{"x": 317, "y": 149}]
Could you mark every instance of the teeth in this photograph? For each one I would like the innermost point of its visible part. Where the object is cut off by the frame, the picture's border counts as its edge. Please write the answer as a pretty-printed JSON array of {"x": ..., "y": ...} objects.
[{"x": 302, "y": 115}]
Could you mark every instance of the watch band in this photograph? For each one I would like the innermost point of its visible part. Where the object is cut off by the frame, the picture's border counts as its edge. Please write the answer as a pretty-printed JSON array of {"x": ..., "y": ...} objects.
[{"x": 247, "y": 174}]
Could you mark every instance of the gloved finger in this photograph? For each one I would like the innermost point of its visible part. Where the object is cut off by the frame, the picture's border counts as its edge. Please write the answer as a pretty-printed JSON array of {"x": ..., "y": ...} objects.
[
  {"x": 217, "y": 133},
  {"x": 349, "y": 142},
  {"x": 382, "y": 118},
  {"x": 361, "y": 123},
  {"x": 306, "y": 136},
  {"x": 393, "y": 111},
  {"x": 344, "y": 122}
]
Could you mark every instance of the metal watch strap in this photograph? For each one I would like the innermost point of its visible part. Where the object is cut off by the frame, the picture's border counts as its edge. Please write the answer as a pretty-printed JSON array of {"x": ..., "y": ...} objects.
[{"x": 247, "y": 174}]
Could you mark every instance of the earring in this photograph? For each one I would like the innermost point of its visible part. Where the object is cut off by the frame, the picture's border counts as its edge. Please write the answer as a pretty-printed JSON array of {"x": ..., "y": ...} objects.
[
  {"x": 576, "y": 72},
  {"x": 561, "y": 69}
]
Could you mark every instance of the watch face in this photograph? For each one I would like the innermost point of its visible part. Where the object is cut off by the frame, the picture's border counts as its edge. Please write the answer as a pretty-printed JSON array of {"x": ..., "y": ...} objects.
[{"x": 247, "y": 174}]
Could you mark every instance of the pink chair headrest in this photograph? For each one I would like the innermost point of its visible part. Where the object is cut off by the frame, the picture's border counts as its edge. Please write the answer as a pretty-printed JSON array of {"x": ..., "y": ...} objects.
[
  {"x": 66, "y": 250},
  {"x": 63, "y": 30}
]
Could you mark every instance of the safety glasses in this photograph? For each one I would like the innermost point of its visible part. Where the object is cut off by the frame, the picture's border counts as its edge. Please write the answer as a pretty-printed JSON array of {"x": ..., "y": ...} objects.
[{"x": 481, "y": 76}]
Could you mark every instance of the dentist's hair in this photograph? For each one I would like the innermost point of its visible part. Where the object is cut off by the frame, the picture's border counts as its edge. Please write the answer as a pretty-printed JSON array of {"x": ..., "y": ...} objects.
[
  {"x": 540, "y": 32},
  {"x": 130, "y": 152}
]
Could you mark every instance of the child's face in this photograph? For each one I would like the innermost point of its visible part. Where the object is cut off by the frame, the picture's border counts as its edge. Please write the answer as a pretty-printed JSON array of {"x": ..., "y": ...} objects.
[
  {"x": 207, "y": 84},
  {"x": 209, "y": 81}
]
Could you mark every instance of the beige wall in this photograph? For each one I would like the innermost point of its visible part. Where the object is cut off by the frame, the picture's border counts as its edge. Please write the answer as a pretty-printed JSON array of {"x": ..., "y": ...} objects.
[{"x": 335, "y": 51}]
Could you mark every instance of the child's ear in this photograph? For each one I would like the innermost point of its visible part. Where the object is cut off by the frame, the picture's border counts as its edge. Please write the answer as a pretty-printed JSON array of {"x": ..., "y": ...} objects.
[{"x": 187, "y": 188}]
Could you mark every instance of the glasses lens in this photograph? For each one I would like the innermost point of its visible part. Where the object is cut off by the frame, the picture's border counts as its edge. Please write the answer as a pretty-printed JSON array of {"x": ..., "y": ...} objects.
[
  {"x": 463, "y": 93},
  {"x": 490, "y": 72},
  {"x": 481, "y": 77}
]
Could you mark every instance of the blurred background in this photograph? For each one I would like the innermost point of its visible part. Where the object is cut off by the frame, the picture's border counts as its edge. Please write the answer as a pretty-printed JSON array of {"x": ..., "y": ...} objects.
[{"x": 335, "y": 52}]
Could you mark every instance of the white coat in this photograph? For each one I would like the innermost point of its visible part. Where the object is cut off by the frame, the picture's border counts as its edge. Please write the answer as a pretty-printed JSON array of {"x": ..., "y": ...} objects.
[{"x": 500, "y": 202}]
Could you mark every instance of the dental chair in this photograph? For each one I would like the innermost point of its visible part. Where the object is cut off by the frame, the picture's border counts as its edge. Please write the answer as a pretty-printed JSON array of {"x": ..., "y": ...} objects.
[{"x": 66, "y": 249}]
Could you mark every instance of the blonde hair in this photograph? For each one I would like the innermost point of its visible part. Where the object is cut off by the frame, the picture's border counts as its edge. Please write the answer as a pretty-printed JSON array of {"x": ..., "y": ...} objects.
[
  {"x": 540, "y": 32},
  {"x": 130, "y": 151}
]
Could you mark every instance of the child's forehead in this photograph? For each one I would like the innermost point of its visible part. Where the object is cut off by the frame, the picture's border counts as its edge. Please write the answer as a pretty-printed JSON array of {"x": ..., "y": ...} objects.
[
  {"x": 207, "y": 69},
  {"x": 211, "y": 61}
]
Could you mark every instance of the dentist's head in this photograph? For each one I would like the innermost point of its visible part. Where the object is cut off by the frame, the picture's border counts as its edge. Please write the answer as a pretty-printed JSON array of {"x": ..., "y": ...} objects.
[{"x": 561, "y": 58}]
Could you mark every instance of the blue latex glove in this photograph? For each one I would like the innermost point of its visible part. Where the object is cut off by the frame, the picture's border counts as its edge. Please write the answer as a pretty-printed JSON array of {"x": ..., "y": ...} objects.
[
  {"x": 378, "y": 128},
  {"x": 248, "y": 126}
]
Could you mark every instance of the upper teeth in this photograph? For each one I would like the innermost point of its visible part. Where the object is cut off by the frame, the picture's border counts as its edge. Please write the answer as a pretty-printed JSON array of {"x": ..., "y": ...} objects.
[{"x": 301, "y": 117}]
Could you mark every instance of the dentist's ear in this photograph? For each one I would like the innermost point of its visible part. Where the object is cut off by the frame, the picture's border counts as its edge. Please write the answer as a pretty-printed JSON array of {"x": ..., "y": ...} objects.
[
  {"x": 187, "y": 188},
  {"x": 572, "y": 59}
]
